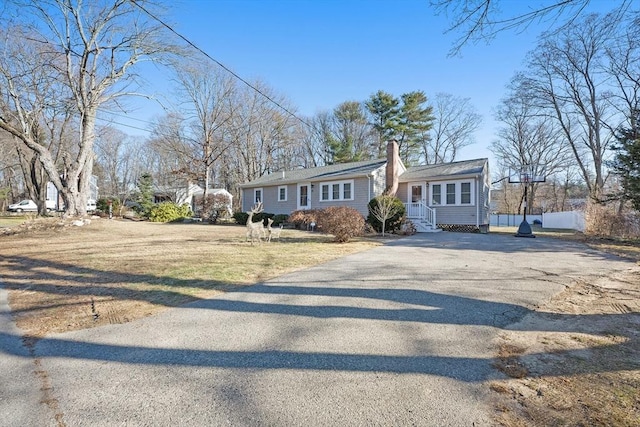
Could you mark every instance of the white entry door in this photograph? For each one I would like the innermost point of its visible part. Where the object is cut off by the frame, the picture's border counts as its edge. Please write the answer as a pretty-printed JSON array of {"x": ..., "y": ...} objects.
[
  {"x": 417, "y": 199},
  {"x": 304, "y": 196}
]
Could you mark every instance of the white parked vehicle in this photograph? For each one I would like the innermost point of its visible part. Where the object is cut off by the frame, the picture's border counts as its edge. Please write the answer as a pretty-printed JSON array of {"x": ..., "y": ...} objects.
[{"x": 23, "y": 206}]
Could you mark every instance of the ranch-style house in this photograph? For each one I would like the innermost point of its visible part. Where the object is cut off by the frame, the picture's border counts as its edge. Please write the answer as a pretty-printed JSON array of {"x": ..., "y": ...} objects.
[{"x": 449, "y": 196}]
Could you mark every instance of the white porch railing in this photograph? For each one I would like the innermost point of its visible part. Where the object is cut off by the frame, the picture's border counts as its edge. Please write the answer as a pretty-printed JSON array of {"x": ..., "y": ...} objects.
[{"x": 422, "y": 212}]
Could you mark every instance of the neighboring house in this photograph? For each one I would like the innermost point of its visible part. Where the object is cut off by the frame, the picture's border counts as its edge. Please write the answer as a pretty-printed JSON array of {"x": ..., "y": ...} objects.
[
  {"x": 54, "y": 198},
  {"x": 451, "y": 196},
  {"x": 191, "y": 194}
]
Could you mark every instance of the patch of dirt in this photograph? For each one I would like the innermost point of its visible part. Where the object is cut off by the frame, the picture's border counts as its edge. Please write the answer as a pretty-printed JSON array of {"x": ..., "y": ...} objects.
[{"x": 576, "y": 361}]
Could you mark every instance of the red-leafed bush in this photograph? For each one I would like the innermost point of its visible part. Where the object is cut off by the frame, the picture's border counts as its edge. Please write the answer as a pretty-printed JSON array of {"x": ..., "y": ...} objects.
[{"x": 341, "y": 221}]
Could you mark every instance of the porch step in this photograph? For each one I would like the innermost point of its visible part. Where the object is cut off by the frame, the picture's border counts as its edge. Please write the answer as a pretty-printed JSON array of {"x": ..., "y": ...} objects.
[{"x": 425, "y": 227}]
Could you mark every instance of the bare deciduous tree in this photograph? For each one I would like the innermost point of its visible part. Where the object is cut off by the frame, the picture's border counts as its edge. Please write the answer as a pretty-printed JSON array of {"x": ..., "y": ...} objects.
[
  {"x": 119, "y": 162},
  {"x": 528, "y": 138},
  {"x": 567, "y": 79},
  {"x": 87, "y": 53},
  {"x": 385, "y": 208},
  {"x": 207, "y": 97},
  {"x": 482, "y": 20},
  {"x": 455, "y": 121}
]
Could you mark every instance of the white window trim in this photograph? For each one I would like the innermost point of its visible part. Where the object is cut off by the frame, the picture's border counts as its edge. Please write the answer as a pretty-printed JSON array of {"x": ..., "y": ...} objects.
[
  {"x": 285, "y": 193},
  {"x": 443, "y": 193},
  {"x": 255, "y": 190},
  {"x": 330, "y": 185}
]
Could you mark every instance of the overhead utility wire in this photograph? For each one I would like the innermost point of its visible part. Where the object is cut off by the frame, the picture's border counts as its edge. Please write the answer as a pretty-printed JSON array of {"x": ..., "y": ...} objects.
[
  {"x": 167, "y": 26},
  {"x": 121, "y": 124}
]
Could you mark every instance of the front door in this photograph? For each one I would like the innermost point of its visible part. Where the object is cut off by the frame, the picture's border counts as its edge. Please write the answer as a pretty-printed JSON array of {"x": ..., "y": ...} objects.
[
  {"x": 304, "y": 196},
  {"x": 417, "y": 198}
]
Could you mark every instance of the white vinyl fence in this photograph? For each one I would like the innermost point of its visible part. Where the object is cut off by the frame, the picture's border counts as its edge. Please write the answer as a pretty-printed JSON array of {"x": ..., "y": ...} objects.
[
  {"x": 511, "y": 220},
  {"x": 573, "y": 220}
]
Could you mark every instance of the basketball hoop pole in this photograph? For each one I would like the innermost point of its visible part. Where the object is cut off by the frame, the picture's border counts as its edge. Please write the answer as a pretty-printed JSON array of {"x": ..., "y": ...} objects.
[{"x": 525, "y": 229}]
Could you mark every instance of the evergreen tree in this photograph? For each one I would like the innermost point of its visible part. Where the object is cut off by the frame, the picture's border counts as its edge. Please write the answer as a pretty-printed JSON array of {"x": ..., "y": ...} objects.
[
  {"x": 384, "y": 111},
  {"x": 627, "y": 161},
  {"x": 416, "y": 120},
  {"x": 145, "y": 193},
  {"x": 349, "y": 140}
]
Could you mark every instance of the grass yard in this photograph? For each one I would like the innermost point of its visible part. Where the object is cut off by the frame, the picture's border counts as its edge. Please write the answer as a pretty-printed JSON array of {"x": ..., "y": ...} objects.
[
  {"x": 12, "y": 220},
  {"x": 112, "y": 271}
]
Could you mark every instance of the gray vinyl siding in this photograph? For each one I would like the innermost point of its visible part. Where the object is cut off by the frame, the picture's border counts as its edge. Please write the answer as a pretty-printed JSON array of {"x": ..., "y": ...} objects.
[
  {"x": 378, "y": 182},
  {"x": 402, "y": 192},
  {"x": 361, "y": 191},
  {"x": 458, "y": 215},
  {"x": 270, "y": 201},
  {"x": 360, "y": 196},
  {"x": 475, "y": 214},
  {"x": 287, "y": 206}
]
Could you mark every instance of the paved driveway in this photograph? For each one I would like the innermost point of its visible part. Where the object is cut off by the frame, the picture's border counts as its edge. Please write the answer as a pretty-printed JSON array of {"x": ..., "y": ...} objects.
[{"x": 398, "y": 335}]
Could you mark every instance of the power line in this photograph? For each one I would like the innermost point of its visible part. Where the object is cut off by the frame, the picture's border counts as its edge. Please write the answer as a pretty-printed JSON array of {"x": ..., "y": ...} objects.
[
  {"x": 167, "y": 26},
  {"x": 126, "y": 117},
  {"x": 122, "y": 124}
]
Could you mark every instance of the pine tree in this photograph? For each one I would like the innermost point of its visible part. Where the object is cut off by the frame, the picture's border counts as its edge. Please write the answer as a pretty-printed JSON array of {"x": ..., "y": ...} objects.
[
  {"x": 145, "y": 193},
  {"x": 416, "y": 120},
  {"x": 384, "y": 111},
  {"x": 627, "y": 161}
]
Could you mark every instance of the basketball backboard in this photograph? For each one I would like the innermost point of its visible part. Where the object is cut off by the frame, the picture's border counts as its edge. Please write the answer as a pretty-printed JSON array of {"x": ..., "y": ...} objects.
[{"x": 527, "y": 174}]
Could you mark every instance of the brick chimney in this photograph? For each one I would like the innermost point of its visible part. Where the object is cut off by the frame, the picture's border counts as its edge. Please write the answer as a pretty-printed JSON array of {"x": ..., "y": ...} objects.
[{"x": 392, "y": 168}]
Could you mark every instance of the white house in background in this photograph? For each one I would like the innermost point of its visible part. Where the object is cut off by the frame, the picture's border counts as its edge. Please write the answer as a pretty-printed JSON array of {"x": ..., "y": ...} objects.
[
  {"x": 54, "y": 199},
  {"x": 191, "y": 194},
  {"x": 449, "y": 196}
]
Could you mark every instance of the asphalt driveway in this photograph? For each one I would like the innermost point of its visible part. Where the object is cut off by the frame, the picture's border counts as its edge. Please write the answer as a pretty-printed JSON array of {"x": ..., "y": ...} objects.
[{"x": 398, "y": 335}]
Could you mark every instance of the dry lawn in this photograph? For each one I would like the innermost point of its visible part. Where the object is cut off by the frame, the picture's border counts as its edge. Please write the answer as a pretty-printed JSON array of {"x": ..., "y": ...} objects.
[{"x": 62, "y": 278}]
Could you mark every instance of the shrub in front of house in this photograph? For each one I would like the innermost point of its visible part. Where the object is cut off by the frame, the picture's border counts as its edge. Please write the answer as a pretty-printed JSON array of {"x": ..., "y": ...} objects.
[
  {"x": 302, "y": 218},
  {"x": 103, "y": 205},
  {"x": 388, "y": 207},
  {"x": 343, "y": 222},
  {"x": 242, "y": 217},
  {"x": 168, "y": 211},
  {"x": 280, "y": 219}
]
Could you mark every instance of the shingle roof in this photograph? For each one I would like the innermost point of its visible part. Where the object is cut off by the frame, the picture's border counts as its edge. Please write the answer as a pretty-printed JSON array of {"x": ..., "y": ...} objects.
[
  {"x": 467, "y": 167},
  {"x": 364, "y": 168},
  {"x": 341, "y": 170}
]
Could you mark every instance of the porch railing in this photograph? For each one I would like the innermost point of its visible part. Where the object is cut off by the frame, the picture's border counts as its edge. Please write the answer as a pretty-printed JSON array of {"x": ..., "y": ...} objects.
[{"x": 420, "y": 211}]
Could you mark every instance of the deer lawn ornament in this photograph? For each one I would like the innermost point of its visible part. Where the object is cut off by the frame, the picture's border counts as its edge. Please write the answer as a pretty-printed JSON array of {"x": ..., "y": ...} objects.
[
  {"x": 255, "y": 230},
  {"x": 273, "y": 232}
]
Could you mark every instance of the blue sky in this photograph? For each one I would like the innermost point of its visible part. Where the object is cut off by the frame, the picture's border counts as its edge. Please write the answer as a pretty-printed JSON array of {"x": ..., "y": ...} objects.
[{"x": 324, "y": 52}]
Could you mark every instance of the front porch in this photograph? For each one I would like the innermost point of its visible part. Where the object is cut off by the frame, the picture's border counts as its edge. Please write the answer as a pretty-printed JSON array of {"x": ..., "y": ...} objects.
[{"x": 422, "y": 216}]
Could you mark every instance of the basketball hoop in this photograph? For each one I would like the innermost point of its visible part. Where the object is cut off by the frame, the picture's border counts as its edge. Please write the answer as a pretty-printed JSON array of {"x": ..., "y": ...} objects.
[{"x": 526, "y": 174}]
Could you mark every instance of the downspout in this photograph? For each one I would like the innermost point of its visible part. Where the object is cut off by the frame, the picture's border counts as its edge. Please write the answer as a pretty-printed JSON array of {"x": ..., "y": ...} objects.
[
  {"x": 369, "y": 186},
  {"x": 477, "y": 204}
]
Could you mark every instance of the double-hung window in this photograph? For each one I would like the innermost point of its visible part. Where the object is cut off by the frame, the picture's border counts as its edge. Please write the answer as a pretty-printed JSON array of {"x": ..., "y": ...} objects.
[
  {"x": 465, "y": 193},
  {"x": 436, "y": 194},
  {"x": 282, "y": 193},
  {"x": 338, "y": 190},
  {"x": 452, "y": 193}
]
